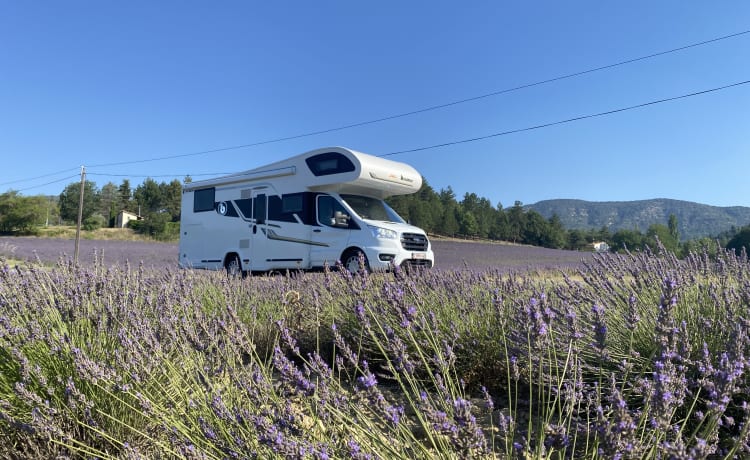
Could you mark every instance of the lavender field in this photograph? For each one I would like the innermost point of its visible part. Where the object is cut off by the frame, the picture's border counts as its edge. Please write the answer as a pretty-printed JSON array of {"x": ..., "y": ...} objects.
[
  {"x": 613, "y": 357},
  {"x": 448, "y": 254}
]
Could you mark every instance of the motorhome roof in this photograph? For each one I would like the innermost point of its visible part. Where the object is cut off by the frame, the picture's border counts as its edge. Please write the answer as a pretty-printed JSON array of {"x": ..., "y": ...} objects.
[{"x": 363, "y": 174}]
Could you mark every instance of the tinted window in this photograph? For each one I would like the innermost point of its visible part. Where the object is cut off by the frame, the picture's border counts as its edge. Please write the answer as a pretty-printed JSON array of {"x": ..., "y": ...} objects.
[
  {"x": 246, "y": 207},
  {"x": 291, "y": 203},
  {"x": 203, "y": 200},
  {"x": 279, "y": 210},
  {"x": 259, "y": 209},
  {"x": 329, "y": 163}
]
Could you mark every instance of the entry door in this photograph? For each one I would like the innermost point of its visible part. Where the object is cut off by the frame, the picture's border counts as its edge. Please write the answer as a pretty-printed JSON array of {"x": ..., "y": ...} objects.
[
  {"x": 330, "y": 236},
  {"x": 259, "y": 247}
]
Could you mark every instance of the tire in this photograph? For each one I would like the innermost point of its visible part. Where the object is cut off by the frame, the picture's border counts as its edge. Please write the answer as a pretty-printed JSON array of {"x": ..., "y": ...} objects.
[
  {"x": 233, "y": 266},
  {"x": 350, "y": 261}
]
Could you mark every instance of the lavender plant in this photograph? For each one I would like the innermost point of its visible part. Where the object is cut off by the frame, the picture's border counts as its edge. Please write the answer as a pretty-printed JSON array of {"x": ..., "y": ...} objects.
[{"x": 635, "y": 355}]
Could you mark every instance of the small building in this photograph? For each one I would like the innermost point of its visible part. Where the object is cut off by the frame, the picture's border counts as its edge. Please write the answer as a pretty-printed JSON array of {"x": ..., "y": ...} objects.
[
  {"x": 600, "y": 246},
  {"x": 123, "y": 217}
]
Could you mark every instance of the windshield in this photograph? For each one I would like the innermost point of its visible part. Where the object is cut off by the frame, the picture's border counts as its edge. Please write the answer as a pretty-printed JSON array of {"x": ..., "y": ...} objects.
[{"x": 372, "y": 208}]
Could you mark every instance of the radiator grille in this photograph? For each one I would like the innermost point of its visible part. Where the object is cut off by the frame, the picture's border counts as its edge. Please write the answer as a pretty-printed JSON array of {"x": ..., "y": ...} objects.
[{"x": 414, "y": 242}]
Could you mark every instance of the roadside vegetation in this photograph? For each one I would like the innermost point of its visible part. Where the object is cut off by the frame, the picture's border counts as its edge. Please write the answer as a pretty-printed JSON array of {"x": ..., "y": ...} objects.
[
  {"x": 440, "y": 213},
  {"x": 636, "y": 355},
  {"x": 104, "y": 234}
]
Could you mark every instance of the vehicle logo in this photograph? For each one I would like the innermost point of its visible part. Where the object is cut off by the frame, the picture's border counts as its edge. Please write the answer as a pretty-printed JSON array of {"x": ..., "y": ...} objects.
[{"x": 222, "y": 208}]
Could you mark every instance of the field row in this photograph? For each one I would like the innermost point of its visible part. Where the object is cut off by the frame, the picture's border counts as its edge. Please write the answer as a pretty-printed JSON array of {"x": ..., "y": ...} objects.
[{"x": 448, "y": 254}]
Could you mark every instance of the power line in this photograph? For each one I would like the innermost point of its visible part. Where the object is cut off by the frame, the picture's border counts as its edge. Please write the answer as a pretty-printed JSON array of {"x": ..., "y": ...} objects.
[
  {"x": 530, "y": 128},
  {"x": 414, "y": 112},
  {"x": 427, "y": 109},
  {"x": 47, "y": 183},
  {"x": 157, "y": 175},
  {"x": 38, "y": 177},
  {"x": 473, "y": 139},
  {"x": 569, "y": 120}
]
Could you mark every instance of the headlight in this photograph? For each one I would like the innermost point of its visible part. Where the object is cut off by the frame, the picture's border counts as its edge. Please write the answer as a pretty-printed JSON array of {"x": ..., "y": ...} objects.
[{"x": 384, "y": 233}]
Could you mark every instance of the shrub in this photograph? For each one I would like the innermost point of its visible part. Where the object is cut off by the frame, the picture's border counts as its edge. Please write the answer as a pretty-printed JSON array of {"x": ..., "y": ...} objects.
[
  {"x": 157, "y": 225},
  {"x": 94, "y": 222},
  {"x": 741, "y": 241}
]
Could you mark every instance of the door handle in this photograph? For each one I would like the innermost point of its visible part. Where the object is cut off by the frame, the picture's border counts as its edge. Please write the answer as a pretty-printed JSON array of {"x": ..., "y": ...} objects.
[{"x": 317, "y": 230}]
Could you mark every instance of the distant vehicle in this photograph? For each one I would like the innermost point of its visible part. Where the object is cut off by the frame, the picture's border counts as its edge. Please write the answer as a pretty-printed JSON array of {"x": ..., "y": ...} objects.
[{"x": 313, "y": 209}]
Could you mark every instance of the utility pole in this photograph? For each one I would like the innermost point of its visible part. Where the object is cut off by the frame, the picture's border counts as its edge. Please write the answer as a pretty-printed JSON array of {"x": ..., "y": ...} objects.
[
  {"x": 49, "y": 203},
  {"x": 80, "y": 214}
]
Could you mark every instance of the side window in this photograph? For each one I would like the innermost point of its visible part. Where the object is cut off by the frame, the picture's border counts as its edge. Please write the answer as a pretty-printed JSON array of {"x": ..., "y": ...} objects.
[
  {"x": 246, "y": 207},
  {"x": 259, "y": 209},
  {"x": 332, "y": 214},
  {"x": 203, "y": 200},
  {"x": 283, "y": 208},
  {"x": 292, "y": 203}
]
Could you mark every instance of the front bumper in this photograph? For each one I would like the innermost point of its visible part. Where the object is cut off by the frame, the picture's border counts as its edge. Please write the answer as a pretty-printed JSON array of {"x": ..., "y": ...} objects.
[{"x": 382, "y": 258}]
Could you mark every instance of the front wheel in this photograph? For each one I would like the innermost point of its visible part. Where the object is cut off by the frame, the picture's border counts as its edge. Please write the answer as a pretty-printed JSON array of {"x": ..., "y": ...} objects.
[{"x": 355, "y": 260}]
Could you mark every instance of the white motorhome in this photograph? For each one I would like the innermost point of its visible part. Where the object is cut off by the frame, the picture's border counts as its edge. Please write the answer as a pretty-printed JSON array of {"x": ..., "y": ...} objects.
[{"x": 320, "y": 207}]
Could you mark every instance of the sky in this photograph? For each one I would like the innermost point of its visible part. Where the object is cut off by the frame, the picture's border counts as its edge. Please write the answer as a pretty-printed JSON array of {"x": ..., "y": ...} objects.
[{"x": 173, "y": 88}]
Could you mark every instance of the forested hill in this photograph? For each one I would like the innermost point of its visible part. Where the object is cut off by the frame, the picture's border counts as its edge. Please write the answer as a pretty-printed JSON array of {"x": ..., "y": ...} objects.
[{"x": 694, "y": 220}]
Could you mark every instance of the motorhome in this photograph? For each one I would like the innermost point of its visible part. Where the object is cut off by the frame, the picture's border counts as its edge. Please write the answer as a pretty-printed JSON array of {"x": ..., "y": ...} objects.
[{"x": 321, "y": 207}]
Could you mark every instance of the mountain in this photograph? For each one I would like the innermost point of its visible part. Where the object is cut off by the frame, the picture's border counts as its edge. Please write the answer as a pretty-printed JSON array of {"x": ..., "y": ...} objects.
[{"x": 694, "y": 220}]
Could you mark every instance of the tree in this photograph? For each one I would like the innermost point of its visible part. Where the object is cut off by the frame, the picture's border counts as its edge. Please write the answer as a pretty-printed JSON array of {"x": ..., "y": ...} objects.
[
  {"x": 665, "y": 237},
  {"x": 468, "y": 223},
  {"x": 125, "y": 195},
  {"x": 708, "y": 245},
  {"x": 447, "y": 196},
  {"x": 673, "y": 230},
  {"x": 149, "y": 196},
  {"x": 108, "y": 201},
  {"x": 577, "y": 240},
  {"x": 499, "y": 229},
  {"x": 470, "y": 219},
  {"x": 556, "y": 237},
  {"x": 516, "y": 222},
  {"x": 740, "y": 241},
  {"x": 21, "y": 213},
  {"x": 485, "y": 214},
  {"x": 535, "y": 229},
  {"x": 602, "y": 235},
  {"x": 427, "y": 206},
  {"x": 69, "y": 201},
  {"x": 172, "y": 198},
  {"x": 419, "y": 215},
  {"x": 627, "y": 239},
  {"x": 449, "y": 223}
]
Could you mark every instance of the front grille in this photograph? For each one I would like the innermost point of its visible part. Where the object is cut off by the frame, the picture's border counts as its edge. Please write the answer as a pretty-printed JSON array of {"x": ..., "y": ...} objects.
[{"x": 414, "y": 241}]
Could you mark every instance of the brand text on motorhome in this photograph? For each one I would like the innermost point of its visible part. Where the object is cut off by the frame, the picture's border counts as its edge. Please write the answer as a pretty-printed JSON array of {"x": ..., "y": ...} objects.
[{"x": 320, "y": 207}]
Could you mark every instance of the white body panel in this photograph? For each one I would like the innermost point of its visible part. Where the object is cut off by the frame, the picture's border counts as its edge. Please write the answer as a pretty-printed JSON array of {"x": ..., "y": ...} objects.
[{"x": 295, "y": 214}]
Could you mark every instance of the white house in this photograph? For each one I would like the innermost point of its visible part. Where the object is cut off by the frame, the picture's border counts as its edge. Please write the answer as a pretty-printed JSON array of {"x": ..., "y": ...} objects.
[
  {"x": 123, "y": 217},
  {"x": 601, "y": 246}
]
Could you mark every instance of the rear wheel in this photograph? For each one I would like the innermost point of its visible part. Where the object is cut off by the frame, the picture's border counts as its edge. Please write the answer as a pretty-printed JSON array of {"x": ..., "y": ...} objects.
[
  {"x": 351, "y": 261},
  {"x": 233, "y": 266}
]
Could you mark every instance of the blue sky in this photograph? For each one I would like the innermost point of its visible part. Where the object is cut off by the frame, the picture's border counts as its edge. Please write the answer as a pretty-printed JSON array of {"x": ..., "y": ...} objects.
[{"x": 92, "y": 83}]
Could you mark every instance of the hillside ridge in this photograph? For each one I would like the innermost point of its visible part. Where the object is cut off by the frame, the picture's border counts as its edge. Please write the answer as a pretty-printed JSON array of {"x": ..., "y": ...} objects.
[{"x": 695, "y": 220}]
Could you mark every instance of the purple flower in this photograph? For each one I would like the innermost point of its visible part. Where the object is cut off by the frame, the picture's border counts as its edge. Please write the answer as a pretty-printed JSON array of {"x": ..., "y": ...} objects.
[{"x": 368, "y": 380}]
